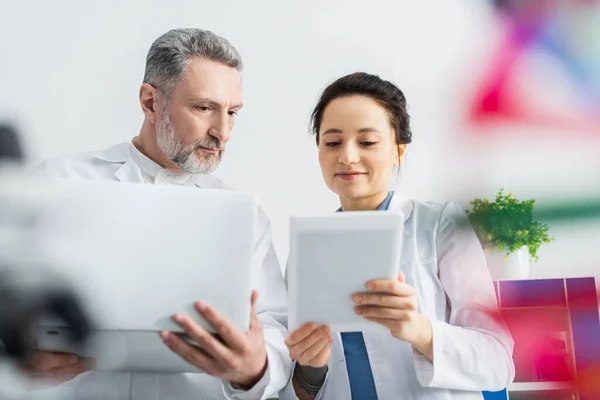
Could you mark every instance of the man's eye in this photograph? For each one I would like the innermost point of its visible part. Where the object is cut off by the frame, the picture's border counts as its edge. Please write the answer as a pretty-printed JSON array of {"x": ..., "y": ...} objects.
[
  {"x": 332, "y": 144},
  {"x": 232, "y": 113},
  {"x": 203, "y": 108}
]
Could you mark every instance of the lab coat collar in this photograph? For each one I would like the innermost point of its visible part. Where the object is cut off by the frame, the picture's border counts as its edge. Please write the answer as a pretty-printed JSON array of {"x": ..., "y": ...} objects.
[
  {"x": 401, "y": 203},
  {"x": 121, "y": 153},
  {"x": 208, "y": 181},
  {"x": 115, "y": 154}
]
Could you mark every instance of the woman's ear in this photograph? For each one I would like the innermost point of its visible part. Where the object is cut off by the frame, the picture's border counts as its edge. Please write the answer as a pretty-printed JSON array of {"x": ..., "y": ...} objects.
[{"x": 400, "y": 156}]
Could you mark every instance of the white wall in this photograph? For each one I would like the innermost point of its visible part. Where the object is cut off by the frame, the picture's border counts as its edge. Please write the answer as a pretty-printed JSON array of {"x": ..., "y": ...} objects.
[{"x": 70, "y": 72}]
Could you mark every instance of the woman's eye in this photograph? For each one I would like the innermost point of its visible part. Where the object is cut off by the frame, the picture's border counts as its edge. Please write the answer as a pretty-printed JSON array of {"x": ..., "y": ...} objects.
[
  {"x": 368, "y": 143},
  {"x": 332, "y": 144}
]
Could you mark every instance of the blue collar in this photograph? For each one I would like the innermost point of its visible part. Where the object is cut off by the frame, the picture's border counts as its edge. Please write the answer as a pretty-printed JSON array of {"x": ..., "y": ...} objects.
[{"x": 383, "y": 206}]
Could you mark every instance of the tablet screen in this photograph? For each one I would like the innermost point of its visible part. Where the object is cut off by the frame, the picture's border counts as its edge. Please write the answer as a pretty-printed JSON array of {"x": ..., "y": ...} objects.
[{"x": 329, "y": 265}]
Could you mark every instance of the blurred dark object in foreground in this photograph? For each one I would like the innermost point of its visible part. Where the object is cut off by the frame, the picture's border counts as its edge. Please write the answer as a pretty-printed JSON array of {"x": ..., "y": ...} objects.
[
  {"x": 25, "y": 299},
  {"x": 10, "y": 144}
]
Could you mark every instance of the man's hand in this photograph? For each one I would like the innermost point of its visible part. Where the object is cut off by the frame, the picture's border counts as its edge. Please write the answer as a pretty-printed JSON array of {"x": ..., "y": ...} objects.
[
  {"x": 393, "y": 304},
  {"x": 57, "y": 367},
  {"x": 240, "y": 358}
]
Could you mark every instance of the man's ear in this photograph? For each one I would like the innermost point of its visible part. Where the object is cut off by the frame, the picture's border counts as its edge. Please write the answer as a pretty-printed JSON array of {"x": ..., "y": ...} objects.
[
  {"x": 400, "y": 156},
  {"x": 149, "y": 101}
]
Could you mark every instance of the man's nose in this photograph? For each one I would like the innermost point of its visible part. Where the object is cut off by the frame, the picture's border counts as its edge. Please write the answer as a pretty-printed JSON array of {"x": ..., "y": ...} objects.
[{"x": 221, "y": 128}]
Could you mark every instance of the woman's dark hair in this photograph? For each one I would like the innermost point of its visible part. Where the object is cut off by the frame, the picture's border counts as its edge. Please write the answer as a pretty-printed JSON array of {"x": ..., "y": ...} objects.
[{"x": 359, "y": 83}]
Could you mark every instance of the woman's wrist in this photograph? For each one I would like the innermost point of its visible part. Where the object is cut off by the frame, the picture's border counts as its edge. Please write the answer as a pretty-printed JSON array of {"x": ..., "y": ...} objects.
[{"x": 310, "y": 379}]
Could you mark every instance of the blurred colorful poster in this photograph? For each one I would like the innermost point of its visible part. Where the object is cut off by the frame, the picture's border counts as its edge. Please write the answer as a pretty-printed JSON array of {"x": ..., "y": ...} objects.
[{"x": 546, "y": 69}]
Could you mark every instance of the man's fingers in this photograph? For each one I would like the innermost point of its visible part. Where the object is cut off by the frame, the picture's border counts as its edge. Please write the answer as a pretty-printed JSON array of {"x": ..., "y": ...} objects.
[
  {"x": 189, "y": 353},
  {"x": 42, "y": 361},
  {"x": 255, "y": 323},
  {"x": 87, "y": 364},
  {"x": 230, "y": 334},
  {"x": 203, "y": 338},
  {"x": 66, "y": 373},
  {"x": 65, "y": 376},
  {"x": 83, "y": 365},
  {"x": 401, "y": 277},
  {"x": 301, "y": 333},
  {"x": 254, "y": 300}
]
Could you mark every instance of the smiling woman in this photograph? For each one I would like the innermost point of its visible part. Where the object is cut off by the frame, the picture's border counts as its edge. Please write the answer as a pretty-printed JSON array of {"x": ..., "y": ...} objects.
[
  {"x": 362, "y": 129},
  {"x": 441, "y": 314}
]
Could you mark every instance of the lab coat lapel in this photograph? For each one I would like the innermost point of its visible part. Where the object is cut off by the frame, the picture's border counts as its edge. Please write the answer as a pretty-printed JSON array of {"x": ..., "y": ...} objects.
[
  {"x": 121, "y": 153},
  {"x": 129, "y": 172},
  {"x": 401, "y": 203}
]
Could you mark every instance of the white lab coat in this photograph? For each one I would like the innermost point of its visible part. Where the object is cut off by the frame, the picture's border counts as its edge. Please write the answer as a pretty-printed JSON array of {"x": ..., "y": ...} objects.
[
  {"x": 125, "y": 163},
  {"x": 472, "y": 347}
]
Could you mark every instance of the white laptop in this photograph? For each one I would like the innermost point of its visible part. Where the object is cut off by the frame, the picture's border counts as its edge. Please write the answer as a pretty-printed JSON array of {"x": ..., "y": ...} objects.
[
  {"x": 334, "y": 256},
  {"x": 137, "y": 254}
]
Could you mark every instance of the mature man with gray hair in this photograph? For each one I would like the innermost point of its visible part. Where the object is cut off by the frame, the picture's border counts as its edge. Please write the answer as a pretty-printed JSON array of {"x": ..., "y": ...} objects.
[{"x": 190, "y": 97}]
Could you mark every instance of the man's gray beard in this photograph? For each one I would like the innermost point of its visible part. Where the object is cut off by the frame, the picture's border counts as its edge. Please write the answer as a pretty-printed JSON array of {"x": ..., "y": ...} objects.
[{"x": 185, "y": 156}]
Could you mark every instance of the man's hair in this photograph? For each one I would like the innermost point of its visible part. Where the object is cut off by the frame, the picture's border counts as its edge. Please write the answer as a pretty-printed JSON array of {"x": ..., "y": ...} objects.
[{"x": 171, "y": 53}]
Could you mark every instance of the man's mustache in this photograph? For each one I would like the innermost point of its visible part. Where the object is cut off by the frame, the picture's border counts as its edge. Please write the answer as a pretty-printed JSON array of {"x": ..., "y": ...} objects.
[{"x": 210, "y": 144}]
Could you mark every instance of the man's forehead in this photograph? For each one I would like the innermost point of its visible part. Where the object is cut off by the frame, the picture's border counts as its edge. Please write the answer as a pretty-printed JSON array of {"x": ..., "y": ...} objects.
[{"x": 205, "y": 79}]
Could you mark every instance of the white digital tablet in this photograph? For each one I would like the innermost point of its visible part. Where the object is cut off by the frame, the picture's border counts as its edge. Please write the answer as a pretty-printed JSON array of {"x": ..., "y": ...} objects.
[
  {"x": 332, "y": 257},
  {"x": 137, "y": 254}
]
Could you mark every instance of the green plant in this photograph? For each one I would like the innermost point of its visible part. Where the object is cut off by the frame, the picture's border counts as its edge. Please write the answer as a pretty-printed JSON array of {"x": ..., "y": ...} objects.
[{"x": 507, "y": 224}]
